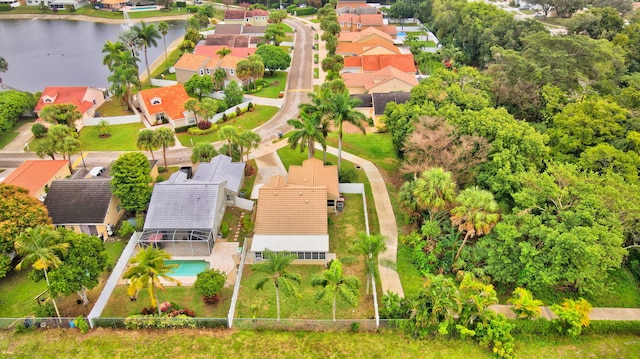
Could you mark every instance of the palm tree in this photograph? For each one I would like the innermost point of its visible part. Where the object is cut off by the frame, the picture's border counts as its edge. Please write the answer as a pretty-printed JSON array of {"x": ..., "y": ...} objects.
[
  {"x": 307, "y": 132},
  {"x": 40, "y": 247},
  {"x": 250, "y": 68},
  {"x": 203, "y": 152},
  {"x": 340, "y": 108},
  {"x": 334, "y": 283},
  {"x": 275, "y": 268},
  {"x": 122, "y": 78},
  {"x": 69, "y": 146},
  {"x": 163, "y": 27},
  {"x": 193, "y": 105},
  {"x": 248, "y": 139},
  {"x": 218, "y": 77},
  {"x": 316, "y": 108},
  {"x": 438, "y": 303},
  {"x": 369, "y": 246},
  {"x": 147, "y": 141},
  {"x": 223, "y": 52},
  {"x": 4, "y": 66},
  {"x": 146, "y": 269},
  {"x": 165, "y": 138},
  {"x": 230, "y": 134},
  {"x": 112, "y": 51},
  {"x": 434, "y": 191},
  {"x": 476, "y": 214},
  {"x": 147, "y": 34}
]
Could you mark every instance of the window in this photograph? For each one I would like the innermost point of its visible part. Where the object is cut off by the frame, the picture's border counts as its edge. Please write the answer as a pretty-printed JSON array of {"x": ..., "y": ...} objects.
[
  {"x": 314, "y": 255},
  {"x": 191, "y": 120},
  {"x": 322, "y": 255},
  {"x": 349, "y": 24},
  {"x": 307, "y": 255},
  {"x": 258, "y": 256},
  {"x": 156, "y": 101},
  {"x": 201, "y": 72},
  {"x": 232, "y": 71},
  {"x": 359, "y": 26},
  {"x": 342, "y": 24},
  {"x": 228, "y": 198},
  {"x": 300, "y": 255},
  {"x": 160, "y": 117},
  {"x": 94, "y": 101},
  {"x": 208, "y": 71}
]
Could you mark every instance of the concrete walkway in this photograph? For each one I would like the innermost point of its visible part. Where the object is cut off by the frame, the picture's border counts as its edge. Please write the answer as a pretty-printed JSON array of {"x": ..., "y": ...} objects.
[
  {"x": 269, "y": 165},
  {"x": 595, "y": 314},
  {"x": 24, "y": 137}
]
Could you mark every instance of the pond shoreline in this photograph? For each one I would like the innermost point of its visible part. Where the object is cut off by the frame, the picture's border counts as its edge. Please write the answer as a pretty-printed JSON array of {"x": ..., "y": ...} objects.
[{"x": 88, "y": 18}]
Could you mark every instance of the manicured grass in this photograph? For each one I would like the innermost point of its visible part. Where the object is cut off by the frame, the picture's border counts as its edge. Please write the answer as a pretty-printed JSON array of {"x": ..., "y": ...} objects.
[
  {"x": 120, "y": 306},
  {"x": 11, "y": 134},
  {"x": 411, "y": 279},
  {"x": 17, "y": 293},
  {"x": 249, "y": 181},
  {"x": 172, "y": 58},
  {"x": 247, "y": 121},
  {"x": 112, "y": 108},
  {"x": 123, "y": 138},
  {"x": 316, "y": 73},
  {"x": 201, "y": 343},
  {"x": 288, "y": 29},
  {"x": 277, "y": 83},
  {"x": 375, "y": 147},
  {"x": 303, "y": 307},
  {"x": 231, "y": 218},
  {"x": 114, "y": 250}
]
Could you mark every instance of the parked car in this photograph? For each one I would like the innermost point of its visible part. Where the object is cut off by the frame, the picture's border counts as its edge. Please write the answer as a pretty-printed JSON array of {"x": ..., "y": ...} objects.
[
  {"x": 96, "y": 171},
  {"x": 538, "y": 14}
]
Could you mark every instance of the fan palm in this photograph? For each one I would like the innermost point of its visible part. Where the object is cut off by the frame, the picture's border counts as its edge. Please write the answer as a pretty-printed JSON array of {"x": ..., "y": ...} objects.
[
  {"x": 434, "y": 191},
  {"x": 224, "y": 51},
  {"x": 335, "y": 284},
  {"x": 275, "y": 268},
  {"x": 146, "y": 270},
  {"x": 475, "y": 214},
  {"x": 40, "y": 247},
  {"x": 307, "y": 132}
]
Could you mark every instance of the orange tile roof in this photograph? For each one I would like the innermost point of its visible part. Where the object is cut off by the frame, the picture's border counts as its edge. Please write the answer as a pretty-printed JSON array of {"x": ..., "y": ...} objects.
[
  {"x": 313, "y": 172},
  {"x": 389, "y": 29},
  {"x": 402, "y": 62},
  {"x": 172, "y": 99},
  {"x": 35, "y": 174},
  {"x": 210, "y": 50},
  {"x": 371, "y": 19},
  {"x": 356, "y": 36},
  {"x": 65, "y": 95},
  {"x": 352, "y": 61},
  {"x": 370, "y": 80},
  {"x": 358, "y": 48},
  {"x": 189, "y": 61},
  {"x": 291, "y": 210},
  {"x": 230, "y": 62}
]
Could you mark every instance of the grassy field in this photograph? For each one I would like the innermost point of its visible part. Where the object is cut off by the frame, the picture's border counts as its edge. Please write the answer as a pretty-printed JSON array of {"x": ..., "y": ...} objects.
[
  {"x": 375, "y": 147},
  {"x": 105, "y": 343},
  {"x": 247, "y": 121},
  {"x": 17, "y": 293},
  {"x": 9, "y": 135},
  {"x": 277, "y": 83},
  {"x": 112, "y": 108},
  {"x": 123, "y": 138}
]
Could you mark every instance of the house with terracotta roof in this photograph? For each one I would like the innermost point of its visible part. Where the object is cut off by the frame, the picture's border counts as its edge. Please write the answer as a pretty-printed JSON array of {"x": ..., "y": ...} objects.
[
  {"x": 375, "y": 47},
  {"x": 365, "y": 36},
  {"x": 86, "y": 99},
  {"x": 373, "y": 63},
  {"x": 292, "y": 218},
  {"x": 388, "y": 79},
  {"x": 354, "y": 22},
  {"x": 254, "y": 17},
  {"x": 36, "y": 175},
  {"x": 212, "y": 50},
  {"x": 83, "y": 206},
  {"x": 193, "y": 64},
  {"x": 314, "y": 173},
  {"x": 190, "y": 64},
  {"x": 165, "y": 105}
]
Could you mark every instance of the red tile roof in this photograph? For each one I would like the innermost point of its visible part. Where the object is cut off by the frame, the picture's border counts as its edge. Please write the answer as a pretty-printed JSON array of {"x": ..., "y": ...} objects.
[
  {"x": 65, "y": 95},
  {"x": 193, "y": 62},
  {"x": 172, "y": 99},
  {"x": 243, "y": 14},
  {"x": 369, "y": 80},
  {"x": 371, "y": 19},
  {"x": 402, "y": 62},
  {"x": 35, "y": 174},
  {"x": 210, "y": 50}
]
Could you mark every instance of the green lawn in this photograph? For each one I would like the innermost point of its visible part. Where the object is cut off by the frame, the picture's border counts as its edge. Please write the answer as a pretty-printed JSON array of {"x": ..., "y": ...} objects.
[
  {"x": 112, "y": 108},
  {"x": 120, "y": 305},
  {"x": 114, "y": 250},
  {"x": 375, "y": 147},
  {"x": 123, "y": 138},
  {"x": 288, "y": 29},
  {"x": 247, "y": 121},
  {"x": 249, "y": 181},
  {"x": 17, "y": 293},
  {"x": 277, "y": 83},
  {"x": 11, "y": 134},
  {"x": 242, "y": 344}
]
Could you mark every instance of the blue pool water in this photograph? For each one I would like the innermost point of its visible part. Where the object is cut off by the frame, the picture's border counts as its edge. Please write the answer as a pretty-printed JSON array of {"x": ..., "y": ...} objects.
[
  {"x": 143, "y": 8},
  {"x": 401, "y": 33},
  {"x": 188, "y": 268}
]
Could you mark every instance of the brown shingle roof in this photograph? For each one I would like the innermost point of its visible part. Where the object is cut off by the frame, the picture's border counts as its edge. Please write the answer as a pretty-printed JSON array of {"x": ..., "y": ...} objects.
[
  {"x": 313, "y": 172},
  {"x": 83, "y": 201},
  {"x": 291, "y": 210},
  {"x": 35, "y": 174}
]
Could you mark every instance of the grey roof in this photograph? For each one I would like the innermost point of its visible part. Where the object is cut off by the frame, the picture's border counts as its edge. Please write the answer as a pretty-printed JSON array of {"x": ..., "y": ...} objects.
[
  {"x": 228, "y": 29},
  {"x": 365, "y": 100},
  {"x": 254, "y": 30},
  {"x": 183, "y": 206},
  {"x": 83, "y": 201},
  {"x": 380, "y": 100},
  {"x": 221, "y": 169}
]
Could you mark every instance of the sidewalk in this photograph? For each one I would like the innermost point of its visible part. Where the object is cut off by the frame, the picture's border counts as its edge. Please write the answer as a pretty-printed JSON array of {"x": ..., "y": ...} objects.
[
  {"x": 24, "y": 137},
  {"x": 595, "y": 314}
]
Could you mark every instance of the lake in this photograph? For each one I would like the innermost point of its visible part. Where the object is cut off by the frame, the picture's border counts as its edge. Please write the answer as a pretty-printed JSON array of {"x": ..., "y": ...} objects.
[{"x": 63, "y": 52}]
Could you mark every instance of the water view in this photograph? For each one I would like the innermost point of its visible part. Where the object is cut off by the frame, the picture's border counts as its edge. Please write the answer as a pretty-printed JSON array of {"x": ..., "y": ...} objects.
[{"x": 63, "y": 52}]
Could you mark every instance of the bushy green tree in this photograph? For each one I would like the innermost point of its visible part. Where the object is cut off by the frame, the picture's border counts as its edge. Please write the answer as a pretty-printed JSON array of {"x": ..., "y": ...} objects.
[
  {"x": 573, "y": 316},
  {"x": 130, "y": 179},
  {"x": 274, "y": 58},
  {"x": 209, "y": 283}
]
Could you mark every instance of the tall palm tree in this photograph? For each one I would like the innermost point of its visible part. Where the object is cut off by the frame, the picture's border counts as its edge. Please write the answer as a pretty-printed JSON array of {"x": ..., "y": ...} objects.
[
  {"x": 434, "y": 191},
  {"x": 229, "y": 133},
  {"x": 112, "y": 51},
  {"x": 307, "y": 132},
  {"x": 340, "y": 108},
  {"x": 147, "y": 34},
  {"x": 123, "y": 77},
  {"x": 193, "y": 105},
  {"x": 218, "y": 77},
  {"x": 166, "y": 139},
  {"x": 146, "y": 270},
  {"x": 316, "y": 108},
  {"x": 163, "y": 27},
  {"x": 334, "y": 283},
  {"x": 476, "y": 213},
  {"x": 147, "y": 141},
  {"x": 70, "y": 145},
  {"x": 275, "y": 268},
  {"x": 41, "y": 248},
  {"x": 248, "y": 139},
  {"x": 224, "y": 51},
  {"x": 369, "y": 246},
  {"x": 4, "y": 66}
]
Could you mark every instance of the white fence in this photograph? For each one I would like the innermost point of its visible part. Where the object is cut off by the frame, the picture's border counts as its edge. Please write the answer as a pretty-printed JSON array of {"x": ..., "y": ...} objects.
[
  {"x": 113, "y": 279},
  {"x": 218, "y": 116},
  {"x": 113, "y": 120},
  {"x": 163, "y": 83},
  {"x": 244, "y": 203}
]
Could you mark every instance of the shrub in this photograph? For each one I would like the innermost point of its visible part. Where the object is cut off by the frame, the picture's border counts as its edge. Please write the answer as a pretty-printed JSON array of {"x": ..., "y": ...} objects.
[
  {"x": 5, "y": 7},
  {"x": 309, "y": 10},
  {"x": 238, "y": 111},
  {"x": 224, "y": 117},
  {"x": 573, "y": 315},
  {"x": 496, "y": 336},
  {"x": 524, "y": 305},
  {"x": 181, "y": 4},
  {"x": 126, "y": 229},
  {"x": 394, "y": 307},
  {"x": 209, "y": 284},
  {"x": 247, "y": 224},
  {"x": 39, "y": 130},
  {"x": 231, "y": 115},
  {"x": 192, "y": 9},
  {"x": 204, "y": 125},
  {"x": 347, "y": 175},
  {"x": 184, "y": 128},
  {"x": 224, "y": 229},
  {"x": 81, "y": 324},
  {"x": 156, "y": 322},
  {"x": 250, "y": 106},
  {"x": 194, "y": 131},
  {"x": 45, "y": 310}
]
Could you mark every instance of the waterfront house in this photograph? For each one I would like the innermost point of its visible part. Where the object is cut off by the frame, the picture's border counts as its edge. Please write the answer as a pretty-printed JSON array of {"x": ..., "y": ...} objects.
[
  {"x": 165, "y": 105},
  {"x": 86, "y": 99}
]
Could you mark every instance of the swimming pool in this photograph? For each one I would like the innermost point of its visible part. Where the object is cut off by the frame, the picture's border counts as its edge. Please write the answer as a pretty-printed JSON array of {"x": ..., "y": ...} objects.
[
  {"x": 401, "y": 34},
  {"x": 143, "y": 8},
  {"x": 188, "y": 268}
]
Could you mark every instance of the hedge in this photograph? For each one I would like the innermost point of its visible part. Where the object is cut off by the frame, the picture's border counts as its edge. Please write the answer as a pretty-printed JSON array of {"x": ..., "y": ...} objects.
[
  {"x": 5, "y": 7},
  {"x": 185, "y": 128},
  {"x": 598, "y": 327},
  {"x": 192, "y": 9},
  {"x": 195, "y": 131},
  {"x": 309, "y": 10},
  {"x": 181, "y": 4}
]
